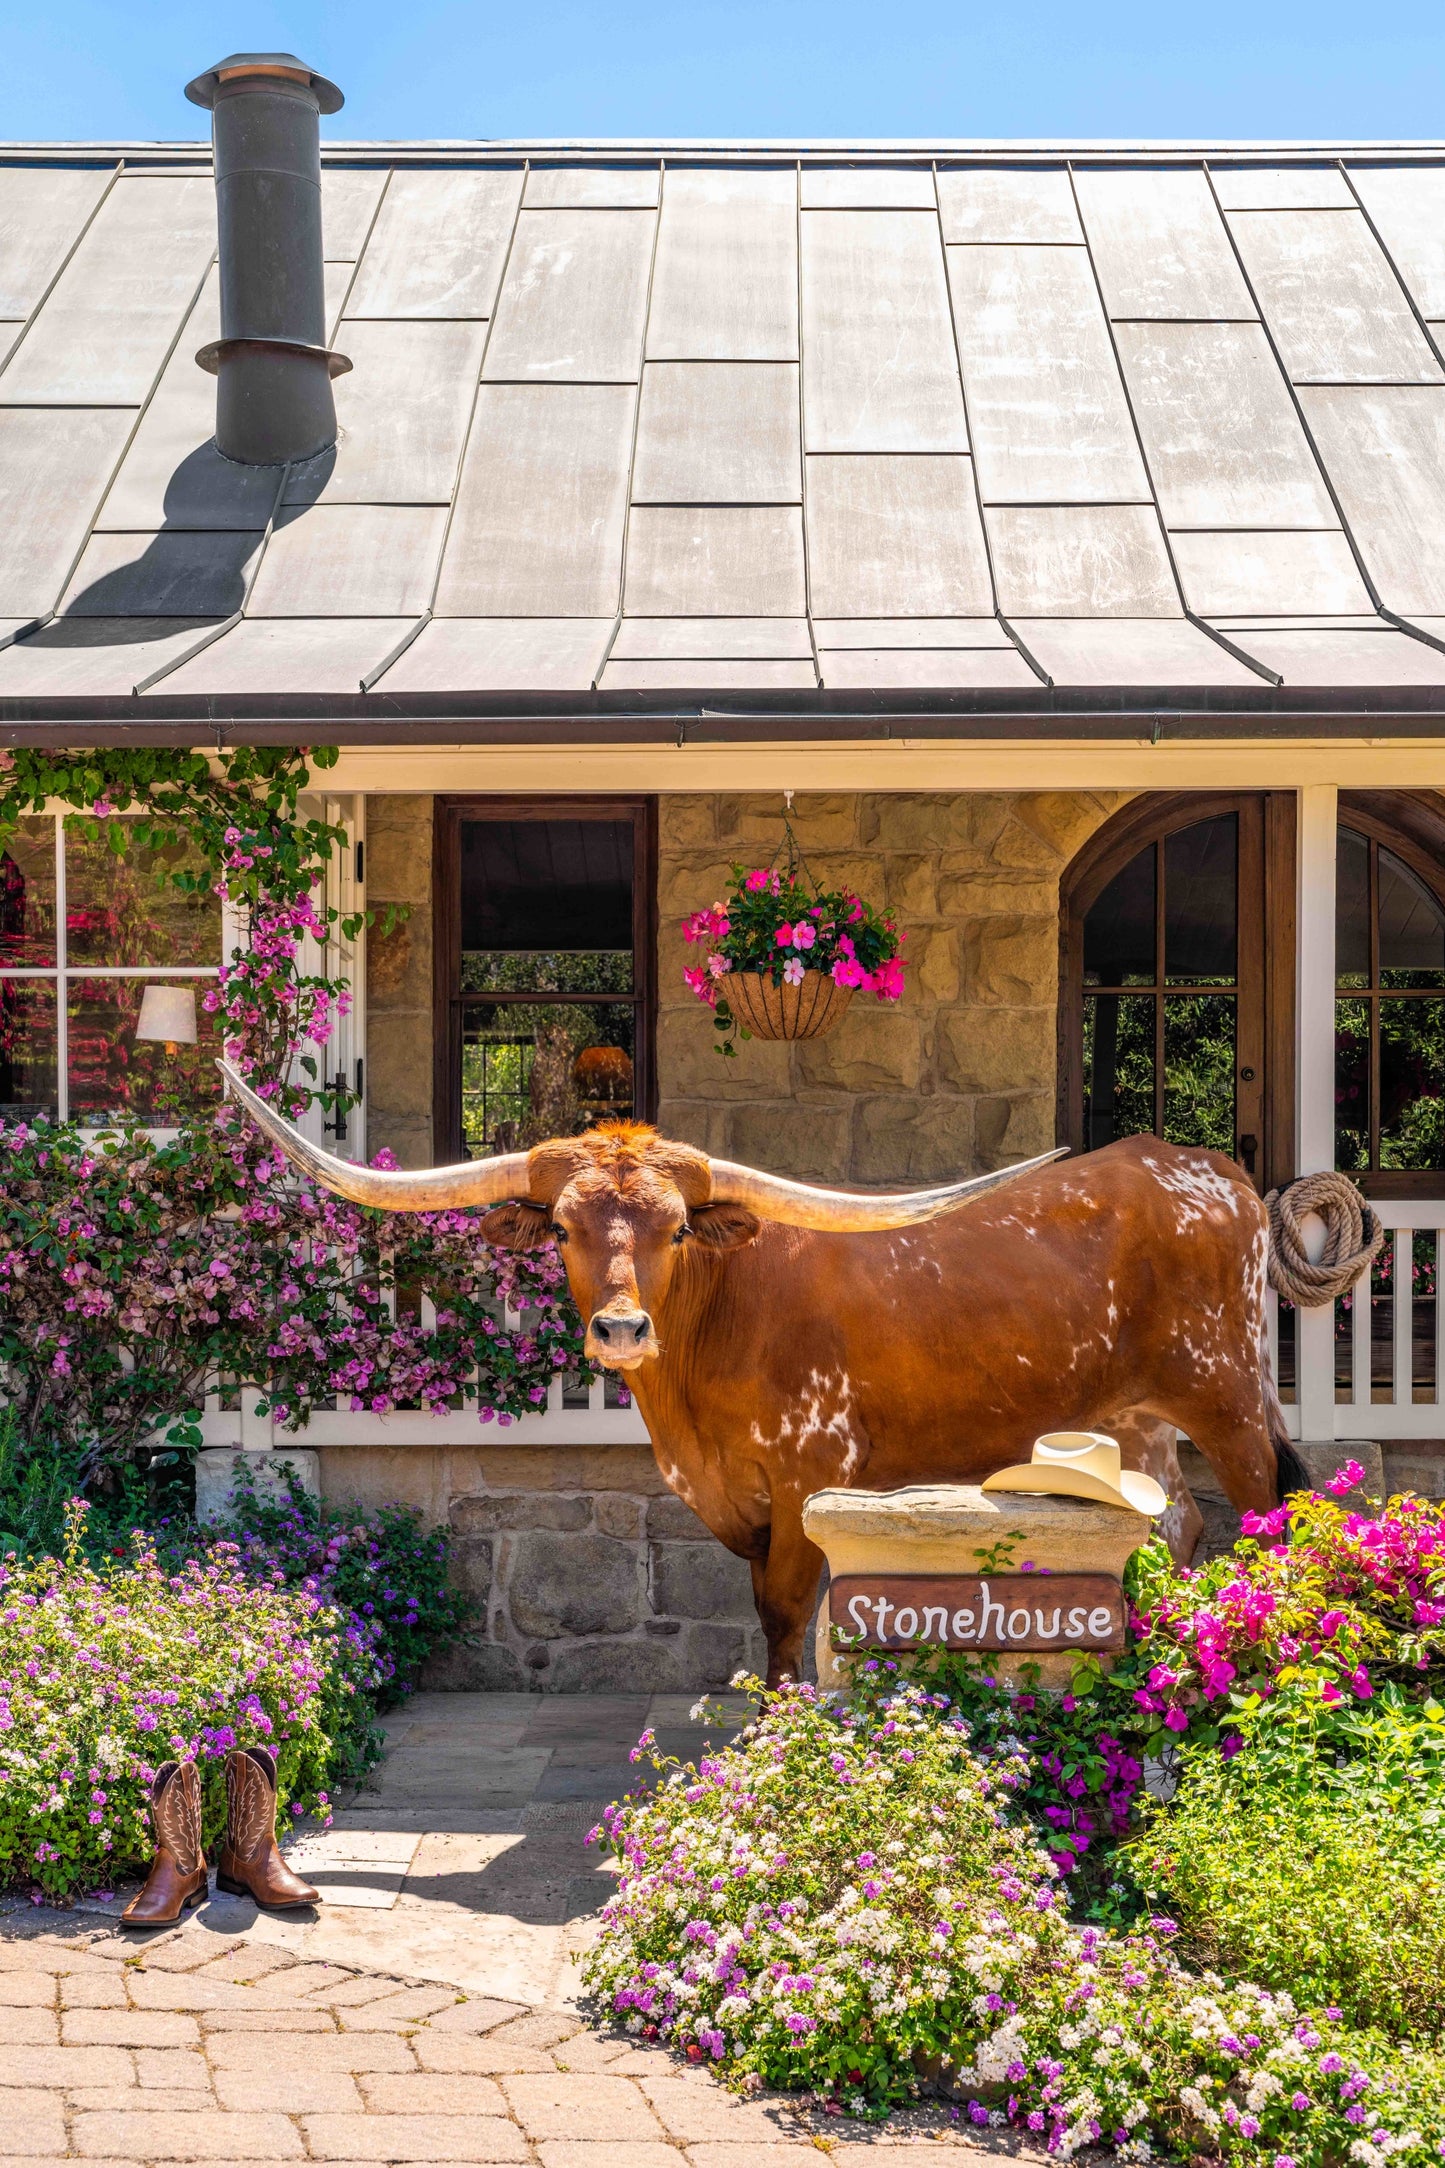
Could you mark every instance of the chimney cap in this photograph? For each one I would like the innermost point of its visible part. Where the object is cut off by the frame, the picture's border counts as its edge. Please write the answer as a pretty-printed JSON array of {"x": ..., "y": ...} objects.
[{"x": 203, "y": 90}]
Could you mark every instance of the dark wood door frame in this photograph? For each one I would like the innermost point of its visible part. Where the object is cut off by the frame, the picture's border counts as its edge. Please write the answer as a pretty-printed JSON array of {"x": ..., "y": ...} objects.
[
  {"x": 450, "y": 812},
  {"x": 1266, "y": 955}
]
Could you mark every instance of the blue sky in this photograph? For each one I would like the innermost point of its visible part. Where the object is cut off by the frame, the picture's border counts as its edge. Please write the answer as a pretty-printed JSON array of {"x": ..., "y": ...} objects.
[{"x": 1225, "y": 69}]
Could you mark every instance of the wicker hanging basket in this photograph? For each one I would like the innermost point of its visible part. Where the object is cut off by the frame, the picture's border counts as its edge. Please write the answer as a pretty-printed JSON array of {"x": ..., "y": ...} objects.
[{"x": 817, "y": 1004}]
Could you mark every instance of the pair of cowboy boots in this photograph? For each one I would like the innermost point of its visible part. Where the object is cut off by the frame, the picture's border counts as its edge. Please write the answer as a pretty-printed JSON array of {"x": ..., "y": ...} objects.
[{"x": 249, "y": 1864}]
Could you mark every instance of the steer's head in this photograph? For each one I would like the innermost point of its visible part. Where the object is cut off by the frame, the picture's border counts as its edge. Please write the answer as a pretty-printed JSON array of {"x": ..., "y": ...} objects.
[
  {"x": 624, "y": 1204},
  {"x": 621, "y": 1203}
]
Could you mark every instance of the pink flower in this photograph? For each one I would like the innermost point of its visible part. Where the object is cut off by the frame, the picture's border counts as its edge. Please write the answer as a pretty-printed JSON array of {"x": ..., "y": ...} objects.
[
  {"x": 1360, "y": 1683},
  {"x": 793, "y": 971},
  {"x": 804, "y": 935},
  {"x": 718, "y": 966},
  {"x": 888, "y": 980},
  {"x": 1346, "y": 1478},
  {"x": 784, "y": 936}
]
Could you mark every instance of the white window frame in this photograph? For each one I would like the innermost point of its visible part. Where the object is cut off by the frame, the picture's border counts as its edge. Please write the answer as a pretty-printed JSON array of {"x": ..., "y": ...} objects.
[{"x": 62, "y": 972}]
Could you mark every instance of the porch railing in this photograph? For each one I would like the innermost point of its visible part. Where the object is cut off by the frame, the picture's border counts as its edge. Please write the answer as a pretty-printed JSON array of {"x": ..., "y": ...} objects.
[
  {"x": 1384, "y": 1349},
  {"x": 1384, "y": 1355},
  {"x": 581, "y": 1411}
]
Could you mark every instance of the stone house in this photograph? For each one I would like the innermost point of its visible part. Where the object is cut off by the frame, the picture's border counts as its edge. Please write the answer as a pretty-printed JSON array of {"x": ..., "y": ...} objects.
[{"x": 1065, "y": 530}]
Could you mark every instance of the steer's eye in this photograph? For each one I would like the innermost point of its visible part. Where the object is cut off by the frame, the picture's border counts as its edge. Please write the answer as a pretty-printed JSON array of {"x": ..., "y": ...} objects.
[
  {"x": 681, "y": 1236},
  {"x": 559, "y": 1234}
]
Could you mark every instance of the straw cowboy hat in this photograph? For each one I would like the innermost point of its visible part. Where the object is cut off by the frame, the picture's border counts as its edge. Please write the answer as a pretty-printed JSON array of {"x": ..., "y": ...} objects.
[{"x": 1081, "y": 1464}]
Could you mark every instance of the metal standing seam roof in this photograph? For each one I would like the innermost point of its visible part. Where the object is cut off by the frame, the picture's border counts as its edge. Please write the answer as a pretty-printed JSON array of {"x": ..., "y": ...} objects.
[{"x": 978, "y": 428}]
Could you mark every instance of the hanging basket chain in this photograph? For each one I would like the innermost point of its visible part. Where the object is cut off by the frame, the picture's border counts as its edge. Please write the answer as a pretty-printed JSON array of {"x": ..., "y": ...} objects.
[{"x": 1354, "y": 1238}]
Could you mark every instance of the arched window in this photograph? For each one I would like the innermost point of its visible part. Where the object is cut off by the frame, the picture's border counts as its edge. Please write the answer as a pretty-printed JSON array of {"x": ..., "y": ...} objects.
[
  {"x": 1390, "y": 1006},
  {"x": 1177, "y": 982},
  {"x": 1167, "y": 978}
]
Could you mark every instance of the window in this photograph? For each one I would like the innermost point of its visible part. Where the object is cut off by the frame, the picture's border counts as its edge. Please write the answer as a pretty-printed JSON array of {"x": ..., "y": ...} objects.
[
  {"x": 1390, "y": 1006},
  {"x": 545, "y": 957},
  {"x": 1175, "y": 996},
  {"x": 83, "y": 932}
]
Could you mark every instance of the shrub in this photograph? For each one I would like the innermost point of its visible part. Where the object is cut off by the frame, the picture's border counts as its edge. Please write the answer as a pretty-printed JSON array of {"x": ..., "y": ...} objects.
[
  {"x": 104, "y": 1675},
  {"x": 380, "y": 1568},
  {"x": 133, "y": 1273},
  {"x": 845, "y": 1900},
  {"x": 1315, "y": 1859}
]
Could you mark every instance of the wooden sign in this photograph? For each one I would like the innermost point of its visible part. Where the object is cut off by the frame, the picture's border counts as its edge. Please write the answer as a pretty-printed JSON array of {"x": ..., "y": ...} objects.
[{"x": 1025, "y": 1611}]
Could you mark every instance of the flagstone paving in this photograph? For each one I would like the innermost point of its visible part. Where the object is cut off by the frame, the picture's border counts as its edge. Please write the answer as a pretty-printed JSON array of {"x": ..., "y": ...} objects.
[{"x": 426, "y": 2011}]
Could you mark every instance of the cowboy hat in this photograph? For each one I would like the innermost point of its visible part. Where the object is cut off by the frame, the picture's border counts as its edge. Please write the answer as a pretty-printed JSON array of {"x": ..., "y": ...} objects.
[{"x": 1081, "y": 1464}]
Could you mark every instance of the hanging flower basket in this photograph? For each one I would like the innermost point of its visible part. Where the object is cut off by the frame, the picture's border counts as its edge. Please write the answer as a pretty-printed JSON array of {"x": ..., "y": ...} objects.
[
  {"x": 785, "y": 957},
  {"x": 795, "y": 1009}
]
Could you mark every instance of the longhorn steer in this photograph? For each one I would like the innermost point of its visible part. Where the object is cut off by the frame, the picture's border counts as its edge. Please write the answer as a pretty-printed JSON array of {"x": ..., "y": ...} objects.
[{"x": 780, "y": 1339}]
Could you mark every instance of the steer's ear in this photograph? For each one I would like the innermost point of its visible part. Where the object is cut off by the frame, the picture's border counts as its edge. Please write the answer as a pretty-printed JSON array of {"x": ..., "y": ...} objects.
[
  {"x": 724, "y": 1226},
  {"x": 517, "y": 1227}
]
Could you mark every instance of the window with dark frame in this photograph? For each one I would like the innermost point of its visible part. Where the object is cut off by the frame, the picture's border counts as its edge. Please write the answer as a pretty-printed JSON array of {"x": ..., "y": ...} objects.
[{"x": 545, "y": 923}]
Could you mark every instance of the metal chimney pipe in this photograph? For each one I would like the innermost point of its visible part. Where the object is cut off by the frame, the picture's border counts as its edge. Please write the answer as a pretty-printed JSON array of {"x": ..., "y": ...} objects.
[{"x": 272, "y": 367}]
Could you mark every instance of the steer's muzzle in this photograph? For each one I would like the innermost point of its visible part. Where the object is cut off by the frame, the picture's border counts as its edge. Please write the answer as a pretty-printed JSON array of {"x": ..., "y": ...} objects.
[{"x": 621, "y": 1337}]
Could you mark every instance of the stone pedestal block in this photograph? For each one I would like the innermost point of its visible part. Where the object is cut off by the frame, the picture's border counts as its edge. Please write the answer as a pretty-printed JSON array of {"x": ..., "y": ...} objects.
[
  {"x": 216, "y": 1470},
  {"x": 958, "y": 1529}
]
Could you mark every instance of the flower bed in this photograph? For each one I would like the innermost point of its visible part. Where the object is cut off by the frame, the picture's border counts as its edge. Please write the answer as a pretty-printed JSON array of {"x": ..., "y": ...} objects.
[
  {"x": 104, "y": 1675},
  {"x": 866, "y": 1894}
]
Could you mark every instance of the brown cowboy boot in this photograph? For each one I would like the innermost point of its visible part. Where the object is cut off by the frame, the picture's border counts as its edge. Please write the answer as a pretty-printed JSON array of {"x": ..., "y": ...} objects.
[
  {"x": 178, "y": 1872},
  {"x": 250, "y": 1865}
]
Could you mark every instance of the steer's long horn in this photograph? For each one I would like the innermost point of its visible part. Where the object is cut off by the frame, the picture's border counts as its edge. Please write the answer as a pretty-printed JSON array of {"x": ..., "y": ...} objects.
[
  {"x": 837, "y": 1211},
  {"x": 438, "y": 1189}
]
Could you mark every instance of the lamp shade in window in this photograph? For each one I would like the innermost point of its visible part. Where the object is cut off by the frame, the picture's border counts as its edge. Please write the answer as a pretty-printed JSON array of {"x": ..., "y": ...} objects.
[{"x": 168, "y": 1013}]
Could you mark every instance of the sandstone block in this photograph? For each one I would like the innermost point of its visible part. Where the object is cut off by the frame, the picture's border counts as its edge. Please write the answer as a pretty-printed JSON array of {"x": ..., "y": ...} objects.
[
  {"x": 808, "y": 1142},
  {"x": 617, "y": 1667},
  {"x": 173, "y": 2069},
  {"x": 910, "y": 886},
  {"x": 712, "y": 1653},
  {"x": 471, "y": 1566},
  {"x": 913, "y": 1141},
  {"x": 560, "y": 1585},
  {"x": 291, "y": 2048},
  {"x": 688, "y": 883},
  {"x": 686, "y": 821},
  {"x": 1021, "y": 848},
  {"x": 218, "y": 1467},
  {"x": 37, "y": 1989},
  {"x": 455, "y": 2051},
  {"x": 129, "y": 2029},
  {"x": 289, "y": 2092},
  {"x": 433, "y": 2092},
  {"x": 991, "y": 892},
  {"x": 669, "y": 1517},
  {"x": 699, "y": 1580},
  {"x": 26, "y": 2065},
  {"x": 1013, "y": 1128},
  {"x": 396, "y": 964},
  {"x": 694, "y": 1121},
  {"x": 29, "y": 2027},
  {"x": 875, "y": 1048},
  {"x": 820, "y": 820},
  {"x": 931, "y": 964},
  {"x": 618, "y": 1516},
  {"x": 520, "y": 1509},
  {"x": 398, "y": 1065},
  {"x": 983, "y": 1048},
  {"x": 581, "y": 2105},
  {"x": 206, "y": 2134},
  {"x": 1010, "y": 960},
  {"x": 31, "y": 2121},
  {"x": 473, "y": 1665},
  {"x": 414, "y": 2138},
  {"x": 690, "y": 1067},
  {"x": 399, "y": 831},
  {"x": 1066, "y": 819}
]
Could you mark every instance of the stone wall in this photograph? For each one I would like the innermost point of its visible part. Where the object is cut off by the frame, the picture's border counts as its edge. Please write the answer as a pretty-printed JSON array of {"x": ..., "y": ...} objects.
[
  {"x": 959, "y": 1076},
  {"x": 399, "y": 979},
  {"x": 588, "y": 1576}
]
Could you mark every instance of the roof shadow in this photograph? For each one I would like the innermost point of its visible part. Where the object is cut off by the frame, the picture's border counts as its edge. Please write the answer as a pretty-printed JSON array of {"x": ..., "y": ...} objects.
[{"x": 197, "y": 566}]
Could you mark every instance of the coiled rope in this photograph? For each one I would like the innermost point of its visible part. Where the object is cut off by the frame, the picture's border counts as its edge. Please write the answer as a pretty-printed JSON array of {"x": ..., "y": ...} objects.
[{"x": 1353, "y": 1239}]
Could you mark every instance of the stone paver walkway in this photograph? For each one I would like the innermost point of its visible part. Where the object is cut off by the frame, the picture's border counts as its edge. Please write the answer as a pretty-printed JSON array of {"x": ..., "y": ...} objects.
[{"x": 425, "y": 2012}]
